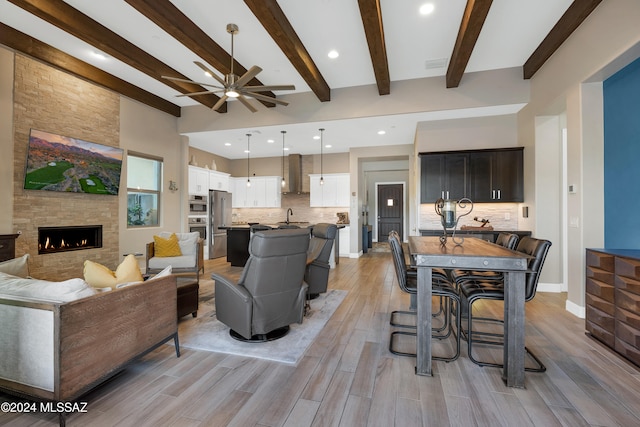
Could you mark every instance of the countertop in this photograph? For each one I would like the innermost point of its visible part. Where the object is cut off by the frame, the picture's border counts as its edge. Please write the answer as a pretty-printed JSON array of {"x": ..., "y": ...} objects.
[{"x": 245, "y": 226}]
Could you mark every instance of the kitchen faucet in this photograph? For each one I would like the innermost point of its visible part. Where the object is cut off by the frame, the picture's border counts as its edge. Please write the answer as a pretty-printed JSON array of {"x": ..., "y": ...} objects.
[{"x": 289, "y": 211}]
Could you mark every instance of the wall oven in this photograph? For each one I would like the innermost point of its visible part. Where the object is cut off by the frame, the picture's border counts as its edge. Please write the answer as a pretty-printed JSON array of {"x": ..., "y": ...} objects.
[
  {"x": 198, "y": 224},
  {"x": 198, "y": 205}
]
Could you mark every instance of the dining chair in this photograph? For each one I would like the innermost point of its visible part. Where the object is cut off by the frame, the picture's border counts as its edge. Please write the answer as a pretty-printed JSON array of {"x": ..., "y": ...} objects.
[
  {"x": 507, "y": 240},
  {"x": 441, "y": 287},
  {"x": 479, "y": 289}
]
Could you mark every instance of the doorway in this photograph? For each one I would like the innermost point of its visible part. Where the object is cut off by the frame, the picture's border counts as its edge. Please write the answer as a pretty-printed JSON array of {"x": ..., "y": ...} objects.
[{"x": 390, "y": 207}]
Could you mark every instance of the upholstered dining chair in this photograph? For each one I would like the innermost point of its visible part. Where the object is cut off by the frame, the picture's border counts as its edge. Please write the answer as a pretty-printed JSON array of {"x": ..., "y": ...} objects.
[
  {"x": 475, "y": 290},
  {"x": 271, "y": 293},
  {"x": 440, "y": 288},
  {"x": 320, "y": 245},
  {"x": 507, "y": 240},
  {"x": 412, "y": 273}
]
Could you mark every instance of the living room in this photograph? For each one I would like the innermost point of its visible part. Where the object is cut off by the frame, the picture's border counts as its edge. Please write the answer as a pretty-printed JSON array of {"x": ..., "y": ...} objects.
[{"x": 565, "y": 94}]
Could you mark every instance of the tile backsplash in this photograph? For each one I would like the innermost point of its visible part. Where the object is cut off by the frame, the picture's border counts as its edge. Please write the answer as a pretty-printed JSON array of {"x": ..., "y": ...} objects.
[
  {"x": 299, "y": 204},
  {"x": 502, "y": 216}
]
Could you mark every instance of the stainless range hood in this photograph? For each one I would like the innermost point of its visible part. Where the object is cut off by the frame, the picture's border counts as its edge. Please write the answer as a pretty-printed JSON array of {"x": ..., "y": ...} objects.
[{"x": 295, "y": 173}]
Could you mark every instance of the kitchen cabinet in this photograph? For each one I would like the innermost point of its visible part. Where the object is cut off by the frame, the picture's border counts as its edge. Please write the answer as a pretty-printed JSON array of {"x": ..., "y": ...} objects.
[
  {"x": 333, "y": 193},
  {"x": 218, "y": 181},
  {"x": 443, "y": 176},
  {"x": 613, "y": 300},
  {"x": 484, "y": 176},
  {"x": 264, "y": 192},
  {"x": 198, "y": 180},
  {"x": 496, "y": 176}
]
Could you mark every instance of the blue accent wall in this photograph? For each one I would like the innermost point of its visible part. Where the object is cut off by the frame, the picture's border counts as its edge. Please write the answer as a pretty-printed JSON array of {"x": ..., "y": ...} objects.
[{"x": 622, "y": 158}]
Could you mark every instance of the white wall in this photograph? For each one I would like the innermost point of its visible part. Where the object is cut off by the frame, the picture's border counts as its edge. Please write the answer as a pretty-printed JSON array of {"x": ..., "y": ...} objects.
[
  {"x": 606, "y": 41},
  {"x": 148, "y": 131},
  {"x": 6, "y": 141}
]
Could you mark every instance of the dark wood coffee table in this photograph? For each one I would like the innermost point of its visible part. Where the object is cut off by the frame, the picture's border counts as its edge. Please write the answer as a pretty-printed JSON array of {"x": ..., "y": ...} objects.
[{"x": 187, "y": 296}]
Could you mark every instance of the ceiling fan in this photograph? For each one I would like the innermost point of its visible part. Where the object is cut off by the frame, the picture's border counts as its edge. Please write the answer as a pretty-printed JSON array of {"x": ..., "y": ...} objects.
[{"x": 233, "y": 86}]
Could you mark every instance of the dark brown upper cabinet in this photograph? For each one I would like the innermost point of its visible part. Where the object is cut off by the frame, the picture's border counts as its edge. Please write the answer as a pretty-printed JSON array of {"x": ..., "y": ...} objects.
[
  {"x": 443, "y": 176},
  {"x": 484, "y": 176}
]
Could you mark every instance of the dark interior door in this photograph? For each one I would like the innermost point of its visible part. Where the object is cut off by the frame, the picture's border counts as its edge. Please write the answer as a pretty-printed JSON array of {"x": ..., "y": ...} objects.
[{"x": 390, "y": 210}]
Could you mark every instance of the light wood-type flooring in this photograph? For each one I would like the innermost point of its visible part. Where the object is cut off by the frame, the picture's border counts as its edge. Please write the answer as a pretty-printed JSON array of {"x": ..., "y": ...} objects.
[{"x": 349, "y": 378}]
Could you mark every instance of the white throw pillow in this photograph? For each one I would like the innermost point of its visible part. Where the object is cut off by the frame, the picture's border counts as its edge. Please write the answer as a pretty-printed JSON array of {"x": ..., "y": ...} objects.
[
  {"x": 67, "y": 290},
  {"x": 16, "y": 267}
]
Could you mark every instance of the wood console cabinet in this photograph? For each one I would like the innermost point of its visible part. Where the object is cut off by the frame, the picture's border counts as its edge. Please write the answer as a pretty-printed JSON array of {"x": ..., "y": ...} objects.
[
  {"x": 484, "y": 176},
  {"x": 613, "y": 300},
  {"x": 7, "y": 246}
]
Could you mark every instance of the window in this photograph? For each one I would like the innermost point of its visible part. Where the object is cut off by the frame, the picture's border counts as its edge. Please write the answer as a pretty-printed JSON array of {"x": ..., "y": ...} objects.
[{"x": 144, "y": 178}]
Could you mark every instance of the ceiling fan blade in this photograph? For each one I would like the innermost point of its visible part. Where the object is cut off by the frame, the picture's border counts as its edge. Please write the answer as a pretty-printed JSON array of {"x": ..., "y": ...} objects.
[
  {"x": 246, "y": 77},
  {"x": 269, "y": 88},
  {"x": 209, "y": 72},
  {"x": 175, "y": 79},
  {"x": 246, "y": 103},
  {"x": 220, "y": 102},
  {"x": 265, "y": 98},
  {"x": 206, "y": 92}
]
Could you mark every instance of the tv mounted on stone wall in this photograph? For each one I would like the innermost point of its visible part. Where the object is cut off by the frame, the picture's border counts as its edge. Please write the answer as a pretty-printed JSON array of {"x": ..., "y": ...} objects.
[{"x": 62, "y": 163}]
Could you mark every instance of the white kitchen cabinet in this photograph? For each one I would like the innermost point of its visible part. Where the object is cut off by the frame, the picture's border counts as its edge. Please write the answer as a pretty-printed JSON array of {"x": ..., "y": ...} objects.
[
  {"x": 218, "y": 181},
  {"x": 334, "y": 192},
  {"x": 264, "y": 192},
  {"x": 198, "y": 180},
  {"x": 344, "y": 241}
]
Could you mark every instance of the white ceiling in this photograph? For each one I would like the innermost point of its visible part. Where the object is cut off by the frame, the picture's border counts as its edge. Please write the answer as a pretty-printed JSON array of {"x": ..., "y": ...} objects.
[{"x": 512, "y": 31}]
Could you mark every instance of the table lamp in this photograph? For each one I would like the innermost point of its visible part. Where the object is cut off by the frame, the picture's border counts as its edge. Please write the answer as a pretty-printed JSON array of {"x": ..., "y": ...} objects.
[{"x": 446, "y": 209}]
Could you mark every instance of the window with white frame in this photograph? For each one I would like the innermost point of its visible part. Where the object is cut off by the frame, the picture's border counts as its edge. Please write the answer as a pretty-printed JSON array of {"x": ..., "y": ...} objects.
[{"x": 144, "y": 181}]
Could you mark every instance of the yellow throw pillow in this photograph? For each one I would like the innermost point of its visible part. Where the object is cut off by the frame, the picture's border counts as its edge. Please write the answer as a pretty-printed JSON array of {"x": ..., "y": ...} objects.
[
  {"x": 166, "y": 247},
  {"x": 99, "y": 276}
]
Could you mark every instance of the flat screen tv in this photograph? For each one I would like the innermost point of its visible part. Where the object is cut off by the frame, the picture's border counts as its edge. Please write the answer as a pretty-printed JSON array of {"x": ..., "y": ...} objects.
[{"x": 62, "y": 163}]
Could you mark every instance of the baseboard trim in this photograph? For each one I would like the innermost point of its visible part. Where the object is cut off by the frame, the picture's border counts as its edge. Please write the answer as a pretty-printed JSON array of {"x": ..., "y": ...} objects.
[
  {"x": 575, "y": 309},
  {"x": 551, "y": 287}
]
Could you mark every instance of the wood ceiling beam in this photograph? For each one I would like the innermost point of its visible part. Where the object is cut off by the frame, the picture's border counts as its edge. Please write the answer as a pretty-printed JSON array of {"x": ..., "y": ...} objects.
[
  {"x": 278, "y": 26},
  {"x": 168, "y": 17},
  {"x": 27, "y": 45},
  {"x": 473, "y": 19},
  {"x": 65, "y": 17},
  {"x": 566, "y": 25},
  {"x": 374, "y": 30}
]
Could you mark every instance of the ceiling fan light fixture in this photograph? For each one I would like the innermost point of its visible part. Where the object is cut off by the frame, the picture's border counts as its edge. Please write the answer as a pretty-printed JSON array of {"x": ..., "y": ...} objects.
[{"x": 231, "y": 93}]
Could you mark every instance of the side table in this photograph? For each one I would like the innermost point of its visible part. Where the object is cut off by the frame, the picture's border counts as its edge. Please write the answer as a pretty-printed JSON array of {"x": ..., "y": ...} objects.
[{"x": 187, "y": 296}]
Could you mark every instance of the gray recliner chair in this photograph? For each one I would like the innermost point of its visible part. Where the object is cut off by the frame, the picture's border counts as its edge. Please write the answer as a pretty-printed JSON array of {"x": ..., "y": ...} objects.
[
  {"x": 317, "y": 274},
  {"x": 271, "y": 293}
]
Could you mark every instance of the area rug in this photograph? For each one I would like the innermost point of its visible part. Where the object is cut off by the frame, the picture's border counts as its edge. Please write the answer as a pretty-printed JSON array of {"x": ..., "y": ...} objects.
[{"x": 206, "y": 333}]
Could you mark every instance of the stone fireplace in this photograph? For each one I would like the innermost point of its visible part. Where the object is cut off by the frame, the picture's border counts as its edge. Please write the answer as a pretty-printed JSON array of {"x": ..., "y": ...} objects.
[{"x": 69, "y": 238}]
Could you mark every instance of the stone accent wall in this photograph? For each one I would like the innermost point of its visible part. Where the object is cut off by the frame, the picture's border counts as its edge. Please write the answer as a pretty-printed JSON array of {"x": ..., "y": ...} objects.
[{"x": 53, "y": 101}]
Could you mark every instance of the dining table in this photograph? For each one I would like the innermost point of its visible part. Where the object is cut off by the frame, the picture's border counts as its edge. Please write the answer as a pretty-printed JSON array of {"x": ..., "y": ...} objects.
[{"x": 471, "y": 253}]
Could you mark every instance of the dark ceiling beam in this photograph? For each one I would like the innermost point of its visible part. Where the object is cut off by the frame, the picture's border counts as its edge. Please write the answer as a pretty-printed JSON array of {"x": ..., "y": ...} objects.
[
  {"x": 374, "y": 30},
  {"x": 27, "y": 45},
  {"x": 570, "y": 20},
  {"x": 473, "y": 19},
  {"x": 168, "y": 17},
  {"x": 65, "y": 17},
  {"x": 278, "y": 26}
]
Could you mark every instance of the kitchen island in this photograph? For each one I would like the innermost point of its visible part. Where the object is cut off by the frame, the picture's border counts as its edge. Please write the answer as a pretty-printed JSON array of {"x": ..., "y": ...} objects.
[{"x": 238, "y": 236}]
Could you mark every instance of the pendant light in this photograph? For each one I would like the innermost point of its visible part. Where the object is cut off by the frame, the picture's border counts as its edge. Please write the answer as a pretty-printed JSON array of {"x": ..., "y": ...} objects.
[
  {"x": 321, "y": 145},
  {"x": 283, "y": 183},
  {"x": 248, "y": 151}
]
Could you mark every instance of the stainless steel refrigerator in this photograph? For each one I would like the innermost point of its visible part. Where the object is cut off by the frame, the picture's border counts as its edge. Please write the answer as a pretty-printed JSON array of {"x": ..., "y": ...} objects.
[{"x": 219, "y": 216}]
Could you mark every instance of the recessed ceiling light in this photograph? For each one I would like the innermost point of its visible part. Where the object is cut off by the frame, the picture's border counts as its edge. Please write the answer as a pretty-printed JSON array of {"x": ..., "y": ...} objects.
[
  {"x": 270, "y": 141},
  {"x": 327, "y": 146},
  {"x": 246, "y": 151},
  {"x": 99, "y": 55},
  {"x": 333, "y": 54},
  {"x": 382, "y": 132},
  {"x": 227, "y": 144},
  {"x": 426, "y": 9},
  {"x": 316, "y": 137},
  {"x": 286, "y": 148}
]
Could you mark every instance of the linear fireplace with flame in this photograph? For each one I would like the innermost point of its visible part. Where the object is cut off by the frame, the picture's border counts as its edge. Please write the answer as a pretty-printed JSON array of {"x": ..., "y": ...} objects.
[{"x": 69, "y": 238}]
